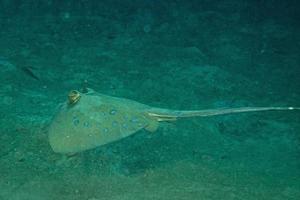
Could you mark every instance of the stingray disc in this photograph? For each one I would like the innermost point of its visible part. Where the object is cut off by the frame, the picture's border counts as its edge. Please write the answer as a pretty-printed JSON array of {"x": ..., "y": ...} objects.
[{"x": 95, "y": 120}]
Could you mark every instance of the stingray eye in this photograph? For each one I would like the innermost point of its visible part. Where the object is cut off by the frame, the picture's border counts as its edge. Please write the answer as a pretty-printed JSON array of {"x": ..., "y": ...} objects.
[{"x": 74, "y": 97}]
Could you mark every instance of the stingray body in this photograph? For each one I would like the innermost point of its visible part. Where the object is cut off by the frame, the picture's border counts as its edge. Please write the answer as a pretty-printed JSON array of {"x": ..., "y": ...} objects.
[{"x": 90, "y": 120}]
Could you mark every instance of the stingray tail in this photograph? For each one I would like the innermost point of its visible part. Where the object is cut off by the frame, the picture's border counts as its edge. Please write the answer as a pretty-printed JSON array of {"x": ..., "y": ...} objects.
[{"x": 170, "y": 115}]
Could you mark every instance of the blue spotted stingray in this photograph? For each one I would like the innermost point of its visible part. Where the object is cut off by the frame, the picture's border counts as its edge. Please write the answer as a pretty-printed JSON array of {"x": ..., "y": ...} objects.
[{"x": 90, "y": 120}]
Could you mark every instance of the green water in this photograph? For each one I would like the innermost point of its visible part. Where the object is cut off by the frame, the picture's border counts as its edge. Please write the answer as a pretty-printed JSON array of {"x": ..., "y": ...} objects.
[{"x": 172, "y": 54}]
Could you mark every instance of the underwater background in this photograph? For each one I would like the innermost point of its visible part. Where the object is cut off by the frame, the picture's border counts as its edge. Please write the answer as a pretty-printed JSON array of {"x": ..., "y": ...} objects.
[{"x": 176, "y": 54}]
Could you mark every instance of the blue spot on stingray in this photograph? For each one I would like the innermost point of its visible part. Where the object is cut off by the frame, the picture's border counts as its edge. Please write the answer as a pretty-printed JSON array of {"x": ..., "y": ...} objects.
[
  {"x": 115, "y": 123},
  {"x": 75, "y": 121},
  {"x": 125, "y": 125},
  {"x": 134, "y": 120},
  {"x": 112, "y": 112},
  {"x": 86, "y": 124},
  {"x": 105, "y": 130}
]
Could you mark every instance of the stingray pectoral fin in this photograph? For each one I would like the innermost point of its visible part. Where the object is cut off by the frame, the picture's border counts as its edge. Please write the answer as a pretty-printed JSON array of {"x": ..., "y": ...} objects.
[
  {"x": 155, "y": 118},
  {"x": 152, "y": 125}
]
